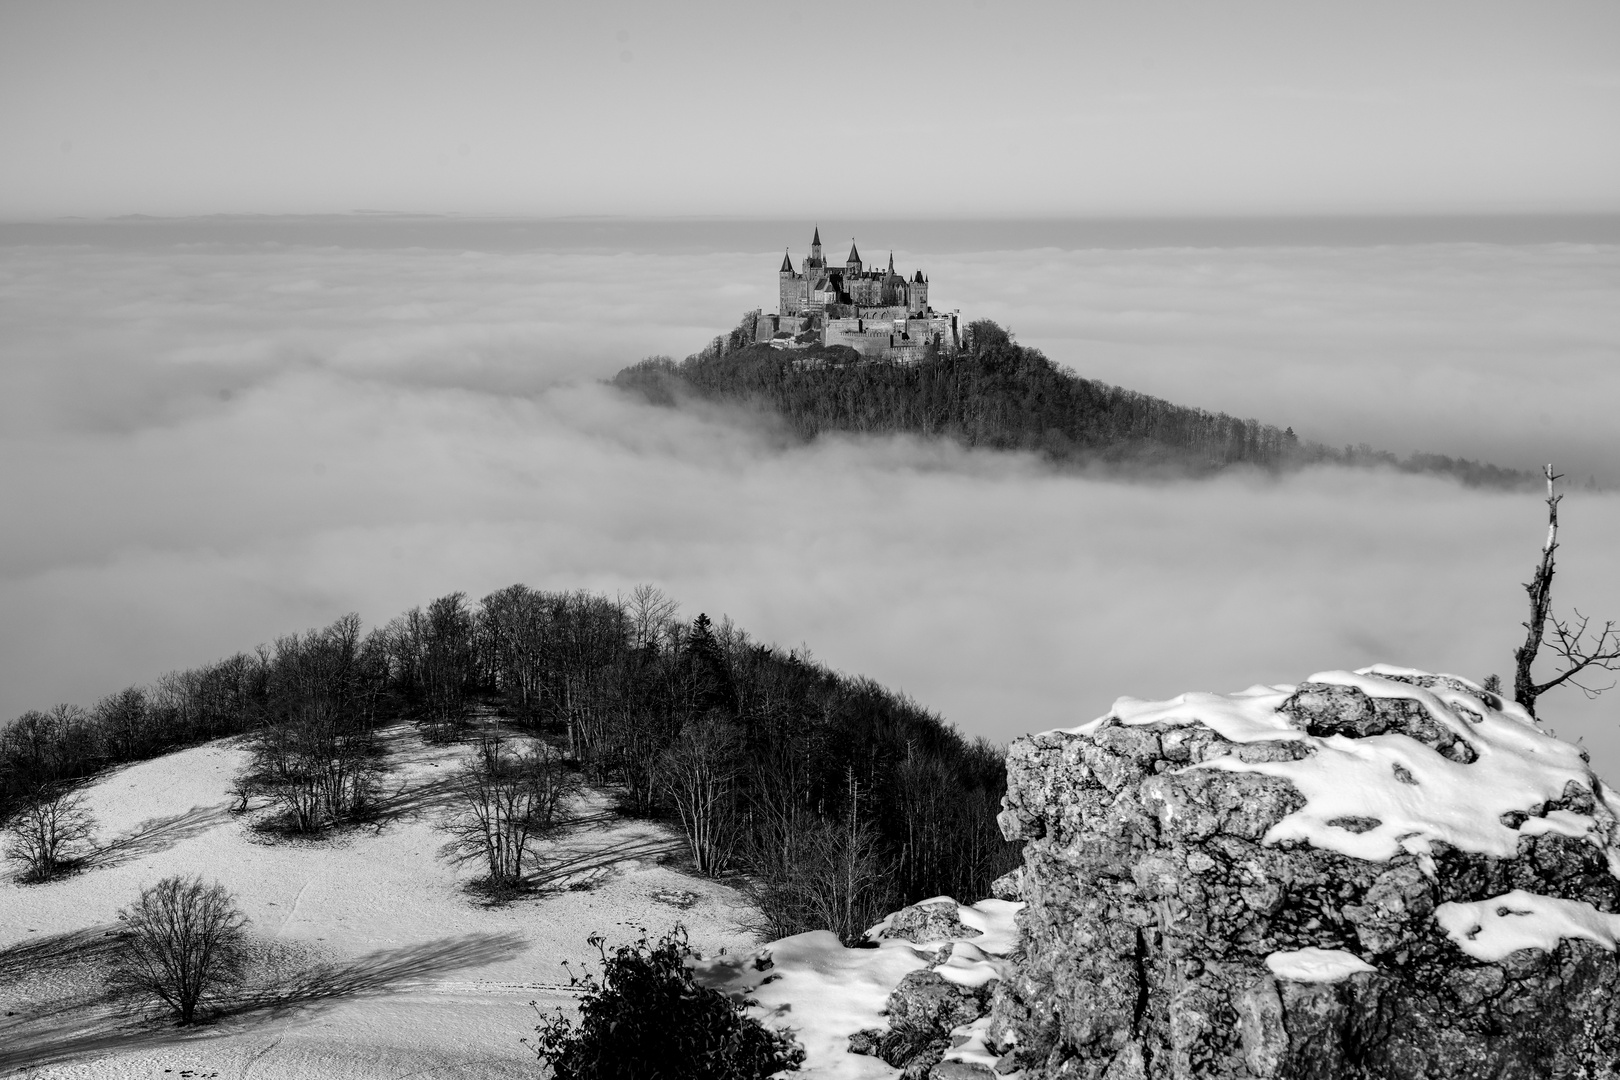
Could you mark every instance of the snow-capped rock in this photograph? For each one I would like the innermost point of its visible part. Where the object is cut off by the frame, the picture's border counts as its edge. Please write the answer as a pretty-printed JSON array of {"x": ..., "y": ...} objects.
[{"x": 1381, "y": 873}]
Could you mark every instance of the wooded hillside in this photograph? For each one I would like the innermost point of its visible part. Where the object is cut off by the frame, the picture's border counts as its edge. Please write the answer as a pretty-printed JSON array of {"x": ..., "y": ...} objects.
[
  {"x": 1004, "y": 396},
  {"x": 832, "y": 799}
]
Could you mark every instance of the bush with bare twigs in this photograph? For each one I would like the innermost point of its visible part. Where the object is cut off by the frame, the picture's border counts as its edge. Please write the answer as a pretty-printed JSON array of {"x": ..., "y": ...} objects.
[
  {"x": 503, "y": 801},
  {"x": 698, "y": 774},
  {"x": 49, "y": 835},
  {"x": 183, "y": 943}
]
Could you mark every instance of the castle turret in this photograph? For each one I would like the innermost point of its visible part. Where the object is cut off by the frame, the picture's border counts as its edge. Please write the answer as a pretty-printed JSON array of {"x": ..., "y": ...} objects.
[
  {"x": 815, "y": 258},
  {"x": 852, "y": 265}
]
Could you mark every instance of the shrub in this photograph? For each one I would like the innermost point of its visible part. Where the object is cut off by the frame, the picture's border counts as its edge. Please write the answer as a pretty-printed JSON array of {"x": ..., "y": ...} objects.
[
  {"x": 184, "y": 943},
  {"x": 49, "y": 834},
  {"x": 647, "y": 1018}
]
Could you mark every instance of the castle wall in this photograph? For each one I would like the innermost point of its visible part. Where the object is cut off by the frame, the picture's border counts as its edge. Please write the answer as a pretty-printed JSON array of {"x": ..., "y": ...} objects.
[{"x": 896, "y": 338}]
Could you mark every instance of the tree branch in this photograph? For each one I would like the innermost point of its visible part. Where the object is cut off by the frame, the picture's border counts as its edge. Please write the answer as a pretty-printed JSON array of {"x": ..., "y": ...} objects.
[{"x": 1603, "y": 653}]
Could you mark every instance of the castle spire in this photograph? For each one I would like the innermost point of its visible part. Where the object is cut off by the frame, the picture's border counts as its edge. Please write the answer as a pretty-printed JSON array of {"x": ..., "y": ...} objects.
[
  {"x": 787, "y": 264},
  {"x": 891, "y": 262},
  {"x": 816, "y": 240},
  {"x": 854, "y": 256}
]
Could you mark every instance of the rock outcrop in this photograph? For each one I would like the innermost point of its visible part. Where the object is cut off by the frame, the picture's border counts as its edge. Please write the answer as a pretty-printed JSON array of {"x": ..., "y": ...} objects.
[{"x": 1381, "y": 874}]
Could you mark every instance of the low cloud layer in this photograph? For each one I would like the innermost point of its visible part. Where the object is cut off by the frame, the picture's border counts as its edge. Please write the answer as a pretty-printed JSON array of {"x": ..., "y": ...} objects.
[
  {"x": 205, "y": 447},
  {"x": 1506, "y": 353}
]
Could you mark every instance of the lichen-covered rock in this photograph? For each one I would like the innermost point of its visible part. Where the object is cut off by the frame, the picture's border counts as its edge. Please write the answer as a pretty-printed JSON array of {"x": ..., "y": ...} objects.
[
  {"x": 928, "y": 921},
  {"x": 1382, "y": 874},
  {"x": 926, "y": 1000},
  {"x": 925, "y": 1011}
]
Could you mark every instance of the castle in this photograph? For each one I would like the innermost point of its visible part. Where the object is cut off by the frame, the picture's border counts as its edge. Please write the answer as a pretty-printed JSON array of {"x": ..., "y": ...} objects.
[{"x": 879, "y": 313}]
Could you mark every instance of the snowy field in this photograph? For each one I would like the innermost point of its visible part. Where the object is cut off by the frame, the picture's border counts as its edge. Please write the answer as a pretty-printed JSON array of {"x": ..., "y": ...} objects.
[{"x": 373, "y": 960}]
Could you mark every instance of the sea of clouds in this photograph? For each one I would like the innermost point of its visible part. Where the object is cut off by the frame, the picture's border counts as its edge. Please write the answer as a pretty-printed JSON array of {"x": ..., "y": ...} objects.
[{"x": 204, "y": 445}]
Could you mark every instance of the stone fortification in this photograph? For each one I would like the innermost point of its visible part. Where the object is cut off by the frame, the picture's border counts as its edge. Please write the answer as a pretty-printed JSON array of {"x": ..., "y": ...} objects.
[
  {"x": 879, "y": 313},
  {"x": 1384, "y": 874}
]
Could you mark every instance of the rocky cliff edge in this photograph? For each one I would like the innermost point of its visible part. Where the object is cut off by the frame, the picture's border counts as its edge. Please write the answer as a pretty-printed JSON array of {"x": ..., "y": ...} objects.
[{"x": 1374, "y": 874}]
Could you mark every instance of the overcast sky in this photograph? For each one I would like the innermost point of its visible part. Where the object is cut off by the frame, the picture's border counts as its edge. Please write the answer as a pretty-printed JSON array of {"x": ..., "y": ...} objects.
[{"x": 946, "y": 108}]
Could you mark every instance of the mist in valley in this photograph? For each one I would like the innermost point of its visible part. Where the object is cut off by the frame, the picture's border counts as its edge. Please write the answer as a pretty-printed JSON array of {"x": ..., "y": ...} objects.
[{"x": 207, "y": 444}]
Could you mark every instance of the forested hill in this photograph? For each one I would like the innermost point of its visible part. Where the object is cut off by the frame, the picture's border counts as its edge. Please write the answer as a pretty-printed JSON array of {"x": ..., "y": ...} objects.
[
  {"x": 1005, "y": 396},
  {"x": 837, "y": 799}
]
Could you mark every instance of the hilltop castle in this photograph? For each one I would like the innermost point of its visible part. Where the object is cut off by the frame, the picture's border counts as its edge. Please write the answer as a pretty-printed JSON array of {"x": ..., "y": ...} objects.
[{"x": 879, "y": 313}]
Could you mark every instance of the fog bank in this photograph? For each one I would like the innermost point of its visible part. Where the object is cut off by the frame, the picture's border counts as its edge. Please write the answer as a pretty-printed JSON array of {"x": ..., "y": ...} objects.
[{"x": 204, "y": 447}]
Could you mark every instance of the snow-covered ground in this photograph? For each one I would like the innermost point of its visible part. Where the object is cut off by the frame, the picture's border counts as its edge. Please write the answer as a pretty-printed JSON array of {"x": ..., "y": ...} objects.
[{"x": 387, "y": 967}]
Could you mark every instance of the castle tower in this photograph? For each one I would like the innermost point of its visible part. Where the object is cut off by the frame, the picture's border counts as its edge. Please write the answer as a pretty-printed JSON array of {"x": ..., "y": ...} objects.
[
  {"x": 918, "y": 298},
  {"x": 788, "y": 288},
  {"x": 815, "y": 258},
  {"x": 852, "y": 265}
]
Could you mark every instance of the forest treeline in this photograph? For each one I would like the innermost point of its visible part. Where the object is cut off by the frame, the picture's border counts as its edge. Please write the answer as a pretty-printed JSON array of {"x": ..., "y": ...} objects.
[
  {"x": 774, "y": 766},
  {"x": 1001, "y": 395}
]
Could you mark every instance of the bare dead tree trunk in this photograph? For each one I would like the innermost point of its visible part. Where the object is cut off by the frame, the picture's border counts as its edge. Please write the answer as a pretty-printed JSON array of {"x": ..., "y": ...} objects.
[
  {"x": 1540, "y": 589},
  {"x": 1570, "y": 638}
]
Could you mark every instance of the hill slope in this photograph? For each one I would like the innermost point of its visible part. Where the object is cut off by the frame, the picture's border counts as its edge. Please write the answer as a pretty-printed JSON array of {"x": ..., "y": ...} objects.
[{"x": 372, "y": 959}]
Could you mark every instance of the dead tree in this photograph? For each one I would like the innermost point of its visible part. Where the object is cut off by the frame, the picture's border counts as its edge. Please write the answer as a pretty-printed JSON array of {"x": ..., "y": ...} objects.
[{"x": 1577, "y": 646}]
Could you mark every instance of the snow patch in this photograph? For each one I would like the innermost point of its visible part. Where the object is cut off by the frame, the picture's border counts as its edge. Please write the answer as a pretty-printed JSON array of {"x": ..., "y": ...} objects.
[
  {"x": 968, "y": 965},
  {"x": 1244, "y": 717},
  {"x": 996, "y": 922},
  {"x": 1315, "y": 965},
  {"x": 810, "y": 983},
  {"x": 823, "y": 992},
  {"x": 972, "y": 1045},
  {"x": 1492, "y": 929}
]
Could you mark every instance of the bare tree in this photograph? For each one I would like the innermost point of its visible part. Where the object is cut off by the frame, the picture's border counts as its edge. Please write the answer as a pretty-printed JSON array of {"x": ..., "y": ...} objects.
[
  {"x": 1578, "y": 647},
  {"x": 316, "y": 760},
  {"x": 123, "y": 724},
  {"x": 698, "y": 773},
  {"x": 503, "y": 804},
  {"x": 843, "y": 881},
  {"x": 650, "y": 613},
  {"x": 50, "y": 834},
  {"x": 184, "y": 943}
]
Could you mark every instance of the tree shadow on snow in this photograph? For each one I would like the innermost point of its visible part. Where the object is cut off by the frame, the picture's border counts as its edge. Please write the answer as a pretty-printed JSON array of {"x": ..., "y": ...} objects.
[
  {"x": 411, "y": 801},
  {"x": 54, "y": 1034},
  {"x": 157, "y": 834},
  {"x": 382, "y": 972},
  {"x": 56, "y": 952},
  {"x": 584, "y": 867}
]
